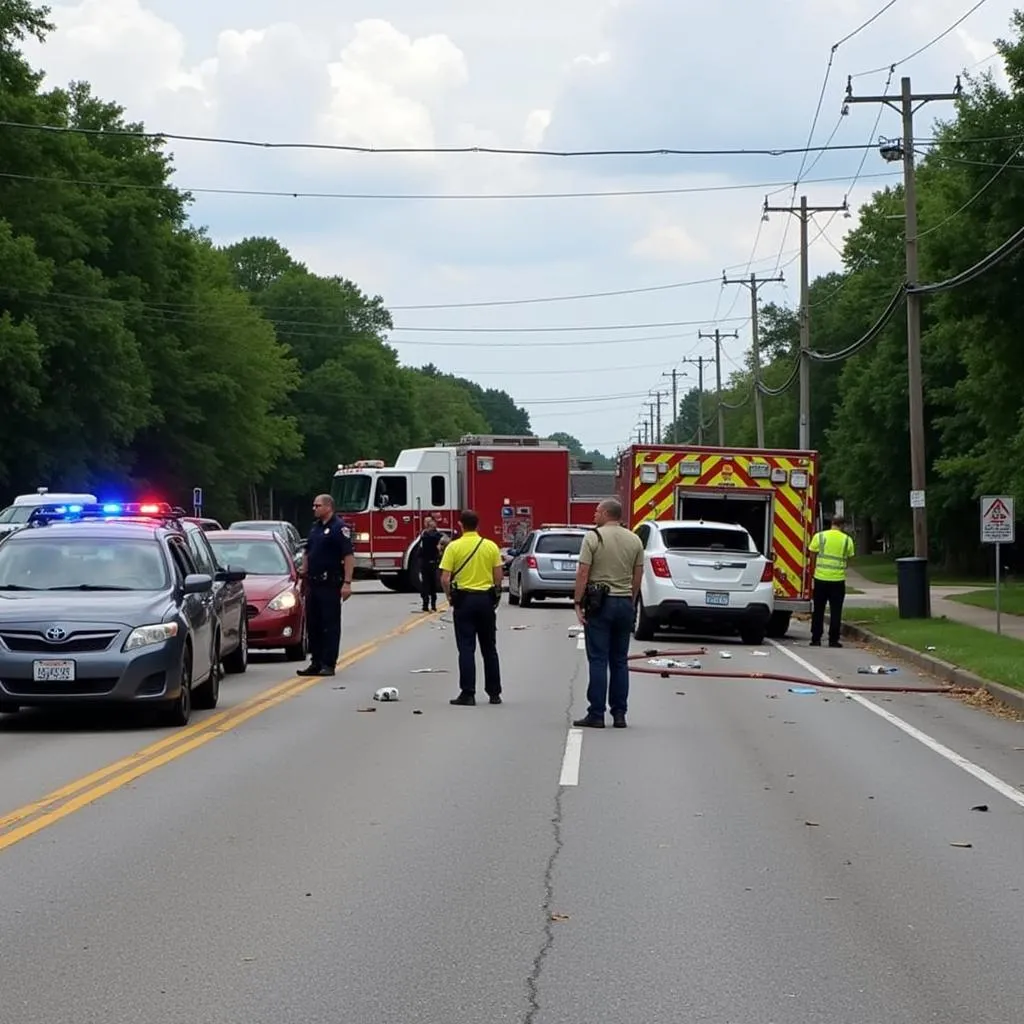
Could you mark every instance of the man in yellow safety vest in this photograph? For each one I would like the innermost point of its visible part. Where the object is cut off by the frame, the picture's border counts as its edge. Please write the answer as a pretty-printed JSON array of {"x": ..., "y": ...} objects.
[{"x": 831, "y": 549}]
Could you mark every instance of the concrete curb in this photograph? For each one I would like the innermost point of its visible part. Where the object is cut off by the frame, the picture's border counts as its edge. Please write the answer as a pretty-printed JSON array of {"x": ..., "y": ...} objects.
[{"x": 942, "y": 669}]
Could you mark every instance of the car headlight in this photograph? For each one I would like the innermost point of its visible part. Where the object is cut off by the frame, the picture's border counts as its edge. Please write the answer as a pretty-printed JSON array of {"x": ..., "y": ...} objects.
[
  {"x": 146, "y": 636},
  {"x": 284, "y": 601}
]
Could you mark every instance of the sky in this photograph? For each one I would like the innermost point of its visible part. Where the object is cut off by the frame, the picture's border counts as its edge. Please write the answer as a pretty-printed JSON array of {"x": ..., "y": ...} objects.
[{"x": 568, "y": 75}]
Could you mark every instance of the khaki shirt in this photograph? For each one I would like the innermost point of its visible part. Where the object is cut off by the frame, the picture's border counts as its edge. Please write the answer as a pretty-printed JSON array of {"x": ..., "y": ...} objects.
[{"x": 612, "y": 558}]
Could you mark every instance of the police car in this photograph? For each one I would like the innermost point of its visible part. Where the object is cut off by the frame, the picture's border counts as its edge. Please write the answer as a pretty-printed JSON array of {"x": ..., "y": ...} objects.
[{"x": 125, "y": 604}]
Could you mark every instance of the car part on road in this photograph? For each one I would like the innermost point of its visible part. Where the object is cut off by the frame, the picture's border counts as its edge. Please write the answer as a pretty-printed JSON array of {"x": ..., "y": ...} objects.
[
  {"x": 666, "y": 671},
  {"x": 386, "y": 693}
]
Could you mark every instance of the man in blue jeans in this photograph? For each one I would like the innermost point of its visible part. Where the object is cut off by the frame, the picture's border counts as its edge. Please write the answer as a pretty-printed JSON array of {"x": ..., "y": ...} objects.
[{"x": 607, "y": 581}]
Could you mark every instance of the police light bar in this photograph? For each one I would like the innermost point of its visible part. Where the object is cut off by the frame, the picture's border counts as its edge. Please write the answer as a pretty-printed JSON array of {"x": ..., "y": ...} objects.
[{"x": 105, "y": 510}]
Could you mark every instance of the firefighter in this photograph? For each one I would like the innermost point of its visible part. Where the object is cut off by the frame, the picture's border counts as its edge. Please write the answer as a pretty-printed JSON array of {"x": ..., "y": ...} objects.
[
  {"x": 831, "y": 550},
  {"x": 471, "y": 575},
  {"x": 328, "y": 569},
  {"x": 432, "y": 543}
]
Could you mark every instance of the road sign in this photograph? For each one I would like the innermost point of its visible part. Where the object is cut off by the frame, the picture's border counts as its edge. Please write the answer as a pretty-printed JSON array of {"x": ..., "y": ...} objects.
[
  {"x": 917, "y": 499},
  {"x": 197, "y": 497},
  {"x": 997, "y": 521}
]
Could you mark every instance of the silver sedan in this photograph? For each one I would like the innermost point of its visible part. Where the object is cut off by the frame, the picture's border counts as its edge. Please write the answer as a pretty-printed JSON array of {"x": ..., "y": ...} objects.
[{"x": 545, "y": 565}]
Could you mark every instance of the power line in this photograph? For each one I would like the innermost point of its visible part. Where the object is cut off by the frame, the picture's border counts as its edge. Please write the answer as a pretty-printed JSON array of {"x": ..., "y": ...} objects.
[{"x": 556, "y": 330}]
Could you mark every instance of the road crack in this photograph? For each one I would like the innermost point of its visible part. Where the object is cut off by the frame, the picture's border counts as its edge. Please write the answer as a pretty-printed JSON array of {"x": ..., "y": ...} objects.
[{"x": 548, "y": 901}]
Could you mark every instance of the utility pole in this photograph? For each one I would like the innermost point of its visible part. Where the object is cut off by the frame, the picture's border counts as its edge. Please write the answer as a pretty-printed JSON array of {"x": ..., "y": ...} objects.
[
  {"x": 650, "y": 423},
  {"x": 699, "y": 361},
  {"x": 658, "y": 436},
  {"x": 753, "y": 284},
  {"x": 717, "y": 338},
  {"x": 803, "y": 211},
  {"x": 675, "y": 405},
  {"x": 915, "y": 387}
]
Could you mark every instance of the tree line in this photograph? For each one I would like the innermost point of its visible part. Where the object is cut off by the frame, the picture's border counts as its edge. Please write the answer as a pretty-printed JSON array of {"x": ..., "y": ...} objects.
[
  {"x": 140, "y": 357},
  {"x": 970, "y": 200}
]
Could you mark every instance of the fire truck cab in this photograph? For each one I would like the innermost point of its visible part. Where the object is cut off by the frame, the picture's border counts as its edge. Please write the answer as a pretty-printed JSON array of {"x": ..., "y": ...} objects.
[{"x": 513, "y": 483}]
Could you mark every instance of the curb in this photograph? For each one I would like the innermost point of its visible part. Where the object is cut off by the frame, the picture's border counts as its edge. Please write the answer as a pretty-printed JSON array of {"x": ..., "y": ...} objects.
[{"x": 934, "y": 666}]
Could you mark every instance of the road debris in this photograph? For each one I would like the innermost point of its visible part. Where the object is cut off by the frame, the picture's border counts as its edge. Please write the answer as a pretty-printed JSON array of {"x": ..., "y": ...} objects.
[
  {"x": 724, "y": 654},
  {"x": 877, "y": 670},
  {"x": 802, "y": 690},
  {"x": 428, "y": 671},
  {"x": 559, "y": 917},
  {"x": 963, "y": 846},
  {"x": 980, "y": 807},
  {"x": 366, "y": 709}
]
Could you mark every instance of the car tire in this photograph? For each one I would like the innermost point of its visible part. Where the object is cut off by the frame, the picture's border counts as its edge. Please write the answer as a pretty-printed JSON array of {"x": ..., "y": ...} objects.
[
  {"x": 512, "y": 598},
  {"x": 297, "y": 652},
  {"x": 8, "y": 707},
  {"x": 179, "y": 711},
  {"x": 778, "y": 625},
  {"x": 524, "y": 598},
  {"x": 643, "y": 625},
  {"x": 206, "y": 697},
  {"x": 238, "y": 660},
  {"x": 752, "y": 637}
]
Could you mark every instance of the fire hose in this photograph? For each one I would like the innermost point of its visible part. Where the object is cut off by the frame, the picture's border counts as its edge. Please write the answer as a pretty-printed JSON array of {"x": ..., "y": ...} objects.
[{"x": 666, "y": 671}]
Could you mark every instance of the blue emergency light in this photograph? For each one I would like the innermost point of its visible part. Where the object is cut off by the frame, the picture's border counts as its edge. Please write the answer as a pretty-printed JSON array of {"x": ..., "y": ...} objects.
[{"x": 106, "y": 511}]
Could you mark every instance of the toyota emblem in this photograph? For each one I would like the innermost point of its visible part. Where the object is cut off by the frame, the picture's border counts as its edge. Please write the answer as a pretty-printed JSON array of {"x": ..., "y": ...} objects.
[{"x": 55, "y": 634}]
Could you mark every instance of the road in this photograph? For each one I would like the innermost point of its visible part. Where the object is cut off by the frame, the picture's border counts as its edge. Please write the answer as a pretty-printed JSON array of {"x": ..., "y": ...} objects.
[{"x": 740, "y": 855}]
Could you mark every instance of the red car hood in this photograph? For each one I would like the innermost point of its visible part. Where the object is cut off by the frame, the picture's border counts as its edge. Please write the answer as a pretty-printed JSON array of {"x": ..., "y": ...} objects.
[{"x": 263, "y": 588}]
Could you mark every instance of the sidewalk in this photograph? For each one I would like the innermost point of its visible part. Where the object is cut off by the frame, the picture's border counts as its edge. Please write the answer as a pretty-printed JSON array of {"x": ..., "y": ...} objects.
[{"x": 883, "y": 594}]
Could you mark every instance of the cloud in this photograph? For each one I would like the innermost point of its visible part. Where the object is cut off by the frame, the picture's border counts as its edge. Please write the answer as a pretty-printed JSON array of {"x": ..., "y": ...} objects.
[{"x": 578, "y": 74}]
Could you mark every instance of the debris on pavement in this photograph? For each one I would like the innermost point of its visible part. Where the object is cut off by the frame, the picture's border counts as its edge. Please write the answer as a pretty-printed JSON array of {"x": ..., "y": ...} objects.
[
  {"x": 366, "y": 709},
  {"x": 813, "y": 824},
  {"x": 337, "y": 687},
  {"x": 559, "y": 917},
  {"x": 877, "y": 670},
  {"x": 427, "y": 671},
  {"x": 672, "y": 663},
  {"x": 724, "y": 654},
  {"x": 386, "y": 693},
  {"x": 516, "y": 629},
  {"x": 417, "y": 712},
  {"x": 759, "y": 654},
  {"x": 980, "y": 807},
  {"x": 802, "y": 689},
  {"x": 963, "y": 846}
]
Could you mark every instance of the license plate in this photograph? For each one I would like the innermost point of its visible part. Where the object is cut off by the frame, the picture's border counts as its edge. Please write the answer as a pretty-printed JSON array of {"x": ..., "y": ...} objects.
[
  {"x": 716, "y": 598},
  {"x": 53, "y": 671},
  {"x": 566, "y": 566}
]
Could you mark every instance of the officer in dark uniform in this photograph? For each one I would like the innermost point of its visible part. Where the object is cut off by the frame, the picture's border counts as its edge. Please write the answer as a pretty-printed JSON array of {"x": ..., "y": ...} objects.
[
  {"x": 432, "y": 543},
  {"x": 330, "y": 562}
]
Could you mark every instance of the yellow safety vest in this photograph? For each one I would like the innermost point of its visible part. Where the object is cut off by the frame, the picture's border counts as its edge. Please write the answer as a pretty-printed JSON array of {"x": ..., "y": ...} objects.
[{"x": 833, "y": 548}]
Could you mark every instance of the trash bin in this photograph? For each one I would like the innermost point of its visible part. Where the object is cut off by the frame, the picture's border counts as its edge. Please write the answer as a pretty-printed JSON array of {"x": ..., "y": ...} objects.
[{"x": 912, "y": 588}]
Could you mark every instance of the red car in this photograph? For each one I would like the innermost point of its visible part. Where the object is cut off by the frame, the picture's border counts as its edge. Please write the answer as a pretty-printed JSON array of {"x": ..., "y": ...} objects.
[{"x": 275, "y": 605}]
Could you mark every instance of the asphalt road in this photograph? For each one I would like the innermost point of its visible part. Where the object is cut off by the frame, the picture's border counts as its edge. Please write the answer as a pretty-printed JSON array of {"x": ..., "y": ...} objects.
[{"x": 740, "y": 855}]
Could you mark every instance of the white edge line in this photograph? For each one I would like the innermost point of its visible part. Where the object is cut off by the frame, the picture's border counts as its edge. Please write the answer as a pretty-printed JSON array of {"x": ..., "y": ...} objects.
[
  {"x": 990, "y": 780},
  {"x": 571, "y": 758}
]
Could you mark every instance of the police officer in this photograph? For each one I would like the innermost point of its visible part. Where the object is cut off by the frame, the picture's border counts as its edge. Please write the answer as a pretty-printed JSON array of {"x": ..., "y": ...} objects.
[
  {"x": 831, "y": 549},
  {"x": 330, "y": 562},
  {"x": 471, "y": 575},
  {"x": 431, "y": 543},
  {"x": 608, "y": 579}
]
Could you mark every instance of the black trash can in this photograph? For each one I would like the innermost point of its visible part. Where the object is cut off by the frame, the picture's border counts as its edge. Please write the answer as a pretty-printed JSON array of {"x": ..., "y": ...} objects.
[{"x": 912, "y": 588}]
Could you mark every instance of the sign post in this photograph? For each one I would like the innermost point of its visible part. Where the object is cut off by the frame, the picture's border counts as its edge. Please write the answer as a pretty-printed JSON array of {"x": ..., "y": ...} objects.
[
  {"x": 998, "y": 527},
  {"x": 197, "y": 501}
]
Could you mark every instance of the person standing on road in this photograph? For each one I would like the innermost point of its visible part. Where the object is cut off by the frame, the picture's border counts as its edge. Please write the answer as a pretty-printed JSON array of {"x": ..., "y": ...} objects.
[
  {"x": 471, "y": 575},
  {"x": 608, "y": 578},
  {"x": 432, "y": 541},
  {"x": 328, "y": 569},
  {"x": 831, "y": 550}
]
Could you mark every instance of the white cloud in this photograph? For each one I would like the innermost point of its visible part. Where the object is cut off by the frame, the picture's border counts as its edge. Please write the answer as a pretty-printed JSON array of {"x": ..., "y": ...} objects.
[{"x": 587, "y": 74}]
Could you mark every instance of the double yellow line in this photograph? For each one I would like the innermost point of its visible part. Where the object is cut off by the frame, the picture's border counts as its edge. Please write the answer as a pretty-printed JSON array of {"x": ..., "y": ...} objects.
[{"x": 34, "y": 817}]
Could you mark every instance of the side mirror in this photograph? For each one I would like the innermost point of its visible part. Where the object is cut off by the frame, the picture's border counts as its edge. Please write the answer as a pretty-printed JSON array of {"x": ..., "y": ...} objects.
[
  {"x": 197, "y": 583},
  {"x": 230, "y": 575}
]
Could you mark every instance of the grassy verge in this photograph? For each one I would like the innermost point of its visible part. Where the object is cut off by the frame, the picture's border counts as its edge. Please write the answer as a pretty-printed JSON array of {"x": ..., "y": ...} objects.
[
  {"x": 1011, "y": 600},
  {"x": 882, "y": 569},
  {"x": 999, "y": 659}
]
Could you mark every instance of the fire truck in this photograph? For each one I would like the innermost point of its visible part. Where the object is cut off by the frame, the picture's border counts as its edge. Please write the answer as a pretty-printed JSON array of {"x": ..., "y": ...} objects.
[
  {"x": 514, "y": 483},
  {"x": 772, "y": 493}
]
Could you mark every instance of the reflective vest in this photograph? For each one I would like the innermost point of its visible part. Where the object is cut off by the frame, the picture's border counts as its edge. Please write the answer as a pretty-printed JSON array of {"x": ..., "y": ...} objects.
[{"x": 833, "y": 548}]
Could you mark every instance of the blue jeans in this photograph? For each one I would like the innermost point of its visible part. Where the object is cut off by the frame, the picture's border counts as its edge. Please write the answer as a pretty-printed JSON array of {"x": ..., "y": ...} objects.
[{"x": 607, "y": 638}]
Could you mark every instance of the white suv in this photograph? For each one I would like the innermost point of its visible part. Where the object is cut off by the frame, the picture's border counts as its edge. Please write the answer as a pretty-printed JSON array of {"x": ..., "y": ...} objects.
[{"x": 704, "y": 577}]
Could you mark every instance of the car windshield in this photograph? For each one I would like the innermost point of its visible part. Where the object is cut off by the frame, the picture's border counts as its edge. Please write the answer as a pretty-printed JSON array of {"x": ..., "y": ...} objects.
[
  {"x": 559, "y": 544},
  {"x": 31, "y": 561},
  {"x": 256, "y": 557},
  {"x": 16, "y": 513},
  {"x": 351, "y": 492},
  {"x": 705, "y": 538}
]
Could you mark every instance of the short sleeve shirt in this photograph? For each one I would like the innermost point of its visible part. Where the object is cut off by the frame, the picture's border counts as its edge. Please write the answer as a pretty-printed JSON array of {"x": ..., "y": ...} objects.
[
  {"x": 327, "y": 546},
  {"x": 478, "y": 572},
  {"x": 613, "y": 553}
]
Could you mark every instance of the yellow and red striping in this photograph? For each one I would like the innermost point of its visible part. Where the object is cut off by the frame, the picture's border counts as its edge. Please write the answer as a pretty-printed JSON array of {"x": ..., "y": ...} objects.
[{"x": 793, "y": 508}]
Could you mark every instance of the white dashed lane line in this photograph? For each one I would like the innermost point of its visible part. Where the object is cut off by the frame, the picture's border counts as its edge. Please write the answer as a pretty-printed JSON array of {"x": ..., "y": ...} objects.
[{"x": 571, "y": 758}]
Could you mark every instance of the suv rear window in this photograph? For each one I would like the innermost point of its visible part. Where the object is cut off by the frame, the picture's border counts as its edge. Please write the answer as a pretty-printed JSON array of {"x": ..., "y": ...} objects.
[
  {"x": 697, "y": 538},
  {"x": 559, "y": 544}
]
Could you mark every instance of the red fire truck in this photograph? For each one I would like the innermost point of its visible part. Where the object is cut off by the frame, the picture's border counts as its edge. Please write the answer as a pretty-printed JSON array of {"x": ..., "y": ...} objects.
[
  {"x": 773, "y": 493},
  {"x": 513, "y": 483}
]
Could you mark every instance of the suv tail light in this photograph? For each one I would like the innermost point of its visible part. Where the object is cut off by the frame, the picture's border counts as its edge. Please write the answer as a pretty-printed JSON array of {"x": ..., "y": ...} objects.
[
  {"x": 768, "y": 573},
  {"x": 531, "y": 562},
  {"x": 659, "y": 566}
]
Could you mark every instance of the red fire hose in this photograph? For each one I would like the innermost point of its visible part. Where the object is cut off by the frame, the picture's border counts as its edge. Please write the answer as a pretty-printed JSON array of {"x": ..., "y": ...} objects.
[{"x": 666, "y": 671}]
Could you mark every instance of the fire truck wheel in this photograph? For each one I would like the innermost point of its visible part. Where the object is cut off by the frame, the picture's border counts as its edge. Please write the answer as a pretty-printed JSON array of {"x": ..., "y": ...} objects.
[
  {"x": 413, "y": 575},
  {"x": 394, "y": 581},
  {"x": 778, "y": 625},
  {"x": 643, "y": 626}
]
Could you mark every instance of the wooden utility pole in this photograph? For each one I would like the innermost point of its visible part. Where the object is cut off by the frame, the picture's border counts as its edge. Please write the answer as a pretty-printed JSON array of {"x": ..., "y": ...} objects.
[
  {"x": 803, "y": 211},
  {"x": 717, "y": 338},
  {"x": 675, "y": 405},
  {"x": 905, "y": 152},
  {"x": 658, "y": 397},
  {"x": 753, "y": 284},
  {"x": 699, "y": 361}
]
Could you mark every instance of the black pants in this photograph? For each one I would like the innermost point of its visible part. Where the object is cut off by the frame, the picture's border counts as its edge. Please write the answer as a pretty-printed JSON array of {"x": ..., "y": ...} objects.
[
  {"x": 476, "y": 618},
  {"x": 832, "y": 593},
  {"x": 428, "y": 583},
  {"x": 323, "y": 623}
]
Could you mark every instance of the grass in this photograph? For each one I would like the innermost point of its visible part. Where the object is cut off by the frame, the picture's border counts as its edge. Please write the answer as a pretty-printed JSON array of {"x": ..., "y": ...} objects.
[
  {"x": 1011, "y": 598},
  {"x": 881, "y": 568},
  {"x": 999, "y": 659}
]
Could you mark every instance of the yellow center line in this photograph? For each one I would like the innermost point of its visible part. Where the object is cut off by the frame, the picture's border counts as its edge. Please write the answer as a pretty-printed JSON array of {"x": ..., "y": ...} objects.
[{"x": 86, "y": 790}]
